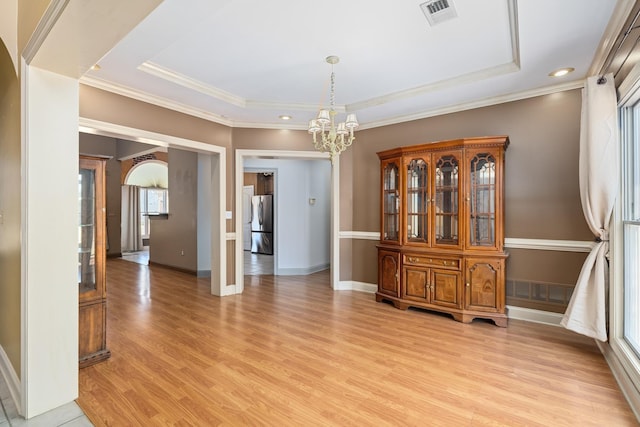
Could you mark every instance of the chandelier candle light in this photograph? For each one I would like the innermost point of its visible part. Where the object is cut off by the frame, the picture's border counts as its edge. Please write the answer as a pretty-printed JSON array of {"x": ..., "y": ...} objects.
[{"x": 333, "y": 139}]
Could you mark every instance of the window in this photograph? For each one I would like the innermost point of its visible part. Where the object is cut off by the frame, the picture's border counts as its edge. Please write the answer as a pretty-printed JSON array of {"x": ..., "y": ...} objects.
[
  {"x": 624, "y": 331},
  {"x": 153, "y": 201},
  {"x": 630, "y": 211}
]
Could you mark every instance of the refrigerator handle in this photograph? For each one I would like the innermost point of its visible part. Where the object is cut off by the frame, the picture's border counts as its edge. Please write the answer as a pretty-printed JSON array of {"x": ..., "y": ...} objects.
[{"x": 260, "y": 218}]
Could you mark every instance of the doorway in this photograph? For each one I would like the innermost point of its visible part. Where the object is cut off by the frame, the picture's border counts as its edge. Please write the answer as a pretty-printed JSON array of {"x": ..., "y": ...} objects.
[
  {"x": 144, "y": 196},
  {"x": 216, "y": 162},
  {"x": 259, "y": 210},
  {"x": 244, "y": 159}
]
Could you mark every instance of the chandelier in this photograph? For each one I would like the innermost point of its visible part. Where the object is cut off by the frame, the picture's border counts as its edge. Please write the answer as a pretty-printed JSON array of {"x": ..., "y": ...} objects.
[{"x": 333, "y": 139}]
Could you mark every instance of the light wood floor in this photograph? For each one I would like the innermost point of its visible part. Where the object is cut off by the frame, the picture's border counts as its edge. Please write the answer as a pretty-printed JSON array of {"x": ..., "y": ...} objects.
[{"x": 289, "y": 351}]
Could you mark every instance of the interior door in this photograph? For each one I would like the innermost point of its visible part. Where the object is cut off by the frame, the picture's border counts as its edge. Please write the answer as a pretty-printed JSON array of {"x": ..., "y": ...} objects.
[{"x": 247, "y": 194}]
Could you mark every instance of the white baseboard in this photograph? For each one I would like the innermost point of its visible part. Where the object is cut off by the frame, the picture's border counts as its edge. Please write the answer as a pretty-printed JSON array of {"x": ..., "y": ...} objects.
[
  {"x": 535, "y": 316},
  {"x": 627, "y": 387},
  {"x": 350, "y": 285},
  {"x": 228, "y": 290},
  {"x": 302, "y": 271},
  {"x": 10, "y": 378}
]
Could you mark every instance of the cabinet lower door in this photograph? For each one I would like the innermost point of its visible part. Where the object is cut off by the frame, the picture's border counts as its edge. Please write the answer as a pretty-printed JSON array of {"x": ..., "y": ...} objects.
[
  {"x": 415, "y": 284},
  {"x": 445, "y": 286},
  {"x": 92, "y": 328},
  {"x": 389, "y": 273},
  {"x": 484, "y": 287}
]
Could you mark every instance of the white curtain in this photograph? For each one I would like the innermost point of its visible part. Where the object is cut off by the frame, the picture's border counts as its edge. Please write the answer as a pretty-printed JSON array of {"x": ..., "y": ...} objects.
[
  {"x": 131, "y": 234},
  {"x": 587, "y": 310}
]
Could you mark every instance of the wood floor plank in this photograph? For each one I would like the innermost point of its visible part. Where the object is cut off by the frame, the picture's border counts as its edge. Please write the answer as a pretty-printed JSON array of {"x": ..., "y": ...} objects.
[{"x": 290, "y": 351}]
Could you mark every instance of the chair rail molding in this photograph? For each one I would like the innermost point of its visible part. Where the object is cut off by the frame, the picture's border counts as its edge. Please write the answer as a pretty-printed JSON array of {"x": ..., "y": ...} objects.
[{"x": 514, "y": 243}]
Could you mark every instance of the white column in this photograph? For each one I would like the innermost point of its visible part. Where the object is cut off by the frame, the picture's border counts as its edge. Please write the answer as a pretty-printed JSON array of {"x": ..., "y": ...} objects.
[{"x": 49, "y": 241}]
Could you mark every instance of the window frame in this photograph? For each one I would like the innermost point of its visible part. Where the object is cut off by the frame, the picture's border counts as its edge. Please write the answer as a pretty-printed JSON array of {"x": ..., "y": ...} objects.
[
  {"x": 144, "y": 209},
  {"x": 629, "y": 127}
]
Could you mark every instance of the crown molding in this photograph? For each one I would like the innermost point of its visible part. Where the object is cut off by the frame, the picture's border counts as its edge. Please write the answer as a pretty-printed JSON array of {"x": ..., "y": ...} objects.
[
  {"x": 47, "y": 22},
  {"x": 615, "y": 26},
  {"x": 182, "y": 108},
  {"x": 158, "y": 101},
  {"x": 222, "y": 95},
  {"x": 190, "y": 83},
  {"x": 509, "y": 67},
  {"x": 486, "y": 102}
]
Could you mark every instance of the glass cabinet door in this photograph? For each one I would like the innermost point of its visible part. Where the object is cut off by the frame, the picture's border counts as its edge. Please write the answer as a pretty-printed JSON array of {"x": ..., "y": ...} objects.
[
  {"x": 447, "y": 197},
  {"x": 87, "y": 230},
  {"x": 482, "y": 199},
  {"x": 417, "y": 201},
  {"x": 391, "y": 202},
  {"x": 91, "y": 229}
]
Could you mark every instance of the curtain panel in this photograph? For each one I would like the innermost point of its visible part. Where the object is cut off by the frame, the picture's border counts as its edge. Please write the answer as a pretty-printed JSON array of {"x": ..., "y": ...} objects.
[
  {"x": 131, "y": 234},
  {"x": 599, "y": 180}
]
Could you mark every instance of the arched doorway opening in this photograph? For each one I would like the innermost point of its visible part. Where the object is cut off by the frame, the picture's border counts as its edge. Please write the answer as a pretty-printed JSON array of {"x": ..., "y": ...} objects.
[{"x": 145, "y": 196}]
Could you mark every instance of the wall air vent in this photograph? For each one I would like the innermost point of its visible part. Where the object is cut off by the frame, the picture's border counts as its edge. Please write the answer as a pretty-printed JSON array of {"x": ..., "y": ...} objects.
[{"x": 438, "y": 11}]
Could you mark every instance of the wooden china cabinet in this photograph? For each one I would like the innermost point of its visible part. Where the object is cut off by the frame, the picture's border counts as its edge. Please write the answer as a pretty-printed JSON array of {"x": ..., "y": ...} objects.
[
  {"x": 91, "y": 262},
  {"x": 442, "y": 233}
]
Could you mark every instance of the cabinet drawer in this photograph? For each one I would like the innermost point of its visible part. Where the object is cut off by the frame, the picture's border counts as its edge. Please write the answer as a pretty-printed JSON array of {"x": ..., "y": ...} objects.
[{"x": 430, "y": 261}]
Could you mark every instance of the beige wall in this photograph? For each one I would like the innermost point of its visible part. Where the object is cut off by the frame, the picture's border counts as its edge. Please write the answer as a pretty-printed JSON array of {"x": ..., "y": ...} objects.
[
  {"x": 10, "y": 210},
  {"x": 173, "y": 241},
  {"x": 542, "y": 190}
]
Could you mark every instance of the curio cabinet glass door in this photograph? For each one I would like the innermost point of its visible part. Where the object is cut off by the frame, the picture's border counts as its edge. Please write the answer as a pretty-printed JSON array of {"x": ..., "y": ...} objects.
[
  {"x": 447, "y": 199},
  {"x": 390, "y": 231},
  {"x": 417, "y": 200},
  {"x": 91, "y": 261},
  {"x": 483, "y": 198}
]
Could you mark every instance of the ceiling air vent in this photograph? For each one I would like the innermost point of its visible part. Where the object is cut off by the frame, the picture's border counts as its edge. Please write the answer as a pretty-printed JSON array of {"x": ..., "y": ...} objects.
[{"x": 438, "y": 11}]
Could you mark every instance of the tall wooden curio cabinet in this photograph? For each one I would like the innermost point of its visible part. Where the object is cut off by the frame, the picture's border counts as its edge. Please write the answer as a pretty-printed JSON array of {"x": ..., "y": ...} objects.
[
  {"x": 91, "y": 261},
  {"x": 442, "y": 228}
]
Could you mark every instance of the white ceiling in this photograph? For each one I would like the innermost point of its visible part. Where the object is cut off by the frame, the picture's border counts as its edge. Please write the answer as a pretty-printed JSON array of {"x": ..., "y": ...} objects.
[{"x": 245, "y": 62}]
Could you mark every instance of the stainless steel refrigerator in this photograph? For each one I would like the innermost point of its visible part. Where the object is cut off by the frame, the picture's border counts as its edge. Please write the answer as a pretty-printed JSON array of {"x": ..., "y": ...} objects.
[{"x": 262, "y": 224}]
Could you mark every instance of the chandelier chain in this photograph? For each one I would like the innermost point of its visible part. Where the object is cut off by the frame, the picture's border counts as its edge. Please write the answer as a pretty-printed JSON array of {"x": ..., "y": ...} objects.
[{"x": 332, "y": 96}]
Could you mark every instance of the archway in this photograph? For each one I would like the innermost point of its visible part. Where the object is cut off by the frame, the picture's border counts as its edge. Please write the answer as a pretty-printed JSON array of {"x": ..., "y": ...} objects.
[{"x": 144, "y": 195}]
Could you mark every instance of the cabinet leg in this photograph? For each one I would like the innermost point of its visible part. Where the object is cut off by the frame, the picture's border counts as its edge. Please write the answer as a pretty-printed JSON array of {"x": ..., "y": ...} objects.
[
  {"x": 400, "y": 305},
  {"x": 502, "y": 322},
  {"x": 462, "y": 317}
]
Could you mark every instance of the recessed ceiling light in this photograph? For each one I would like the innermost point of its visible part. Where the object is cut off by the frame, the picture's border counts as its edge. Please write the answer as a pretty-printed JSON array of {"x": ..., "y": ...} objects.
[
  {"x": 561, "y": 72},
  {"x": 285, "y": 117},
  {"x": 95, "y": 67}
]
